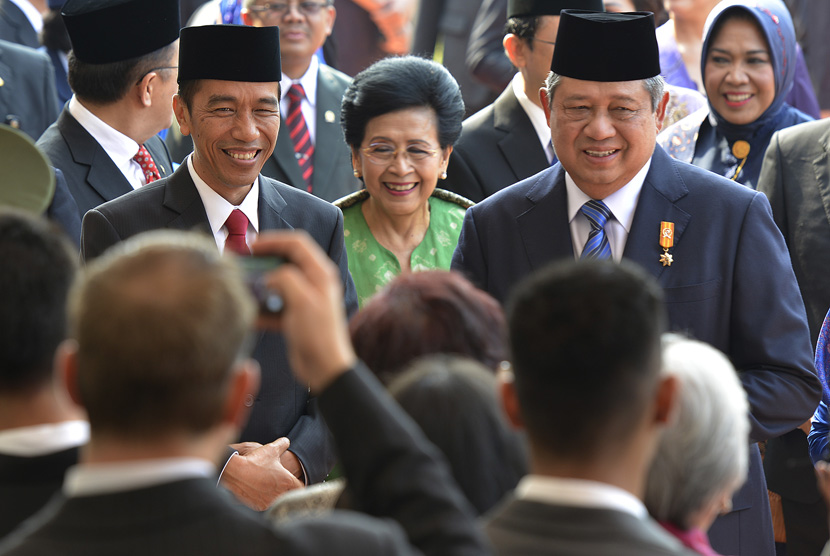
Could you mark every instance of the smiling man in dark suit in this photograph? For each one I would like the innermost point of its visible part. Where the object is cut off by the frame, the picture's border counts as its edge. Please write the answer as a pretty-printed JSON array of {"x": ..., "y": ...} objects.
[
  {"x": 104, "y": 140},
  {"x": 303, "y": 30},
  {"x": 711, "y": 244},
  {"x": 230, "y": 105}
]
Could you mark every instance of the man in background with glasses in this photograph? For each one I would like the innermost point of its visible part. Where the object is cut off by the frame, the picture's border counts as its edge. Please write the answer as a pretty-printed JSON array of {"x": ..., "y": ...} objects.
[
  {"x": 123, "y": 78},
  {"x": 509, "y": 140},
  {"x": 310, "y": 101}
]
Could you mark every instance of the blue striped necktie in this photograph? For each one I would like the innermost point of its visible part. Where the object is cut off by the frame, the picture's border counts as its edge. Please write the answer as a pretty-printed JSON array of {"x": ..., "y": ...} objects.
[{"x": 597, "y": 246}]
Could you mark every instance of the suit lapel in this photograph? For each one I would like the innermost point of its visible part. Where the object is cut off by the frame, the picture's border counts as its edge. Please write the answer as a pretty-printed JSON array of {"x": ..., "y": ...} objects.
[
  {"x": 103, "y": 175},
  {"x": 270, "y": 206},
  {"x": 328, "y": 138},
  {"x": 544, "y": 228},
  {"x": 182, "y": 197},
  {"x": 160, "y": 155},
  {"x": 286, "y": 159},
  {"x": 661, "y": 190},
  {"x": 520, "y": 144},
  {"x": 819, "y": 164}
]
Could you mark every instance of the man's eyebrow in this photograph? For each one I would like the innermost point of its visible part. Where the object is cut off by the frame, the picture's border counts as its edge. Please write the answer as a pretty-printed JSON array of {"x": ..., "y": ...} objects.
[
  {"x": 270, "y": 101},
  {"x": 216, "y": 99}
]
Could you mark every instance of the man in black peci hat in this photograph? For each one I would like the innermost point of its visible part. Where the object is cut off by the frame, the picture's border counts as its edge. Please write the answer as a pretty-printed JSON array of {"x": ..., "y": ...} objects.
[
  {"x": 122, "y": 70},
  {"x": 229, "y": 104},
  {"x": 711, "y": 244},
  {"x": 509, "y": 140}
]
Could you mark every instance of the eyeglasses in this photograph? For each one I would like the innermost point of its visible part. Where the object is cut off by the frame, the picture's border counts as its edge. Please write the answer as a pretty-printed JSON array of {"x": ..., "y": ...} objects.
[
  {"x": 381, "y": 153},
  {"x": 156, "y": 69},
  {"x": 309, "y": 9},
  {"x": 543, "y": 40}
]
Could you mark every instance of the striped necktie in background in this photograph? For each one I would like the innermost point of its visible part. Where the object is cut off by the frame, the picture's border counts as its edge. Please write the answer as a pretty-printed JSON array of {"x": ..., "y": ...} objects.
[{"x": 298, "y": 130}]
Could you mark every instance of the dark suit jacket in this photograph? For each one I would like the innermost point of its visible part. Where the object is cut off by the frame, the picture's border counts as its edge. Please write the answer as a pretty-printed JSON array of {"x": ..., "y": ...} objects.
[
  {"x": 27, "y": 484},
  {"x": 15, "y": 26},
  {"x": 528, "y": 527},
  {"x": 92, "y": 176},
  {"x": 497, "y": 148},
  {"x": 379, "y": 445},
  {"x": 731, "y": 285},
  {"x": 27, "y": 93},
  {"x": 451, "y": 21},
  {"x": 796, "y": 178},
  {"x": 333, "y": 174},
  {"x": 283, "y": 406}
]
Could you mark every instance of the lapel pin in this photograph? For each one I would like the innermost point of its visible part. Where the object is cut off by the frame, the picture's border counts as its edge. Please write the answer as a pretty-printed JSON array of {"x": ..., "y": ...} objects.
[
  {"x": 329, "y": 116},
  {"x": 666, "y": 242}
]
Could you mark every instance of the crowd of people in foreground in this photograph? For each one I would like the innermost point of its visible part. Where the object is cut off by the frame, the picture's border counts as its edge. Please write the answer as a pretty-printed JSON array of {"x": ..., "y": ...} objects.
[{"x": 279, "y": 310}]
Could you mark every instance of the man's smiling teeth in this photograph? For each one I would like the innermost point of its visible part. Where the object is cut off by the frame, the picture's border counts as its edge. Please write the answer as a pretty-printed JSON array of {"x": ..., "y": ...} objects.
[
  {"x": 399, "y": 187},
  {"x": 243, "y": 156},
  {"x": 738, "y": 98},
  {"x": 601, "y": 153}
]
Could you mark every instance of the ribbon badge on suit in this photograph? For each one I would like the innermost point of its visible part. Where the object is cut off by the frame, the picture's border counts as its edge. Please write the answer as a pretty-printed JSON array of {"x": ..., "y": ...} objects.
[{"x": 666, "y": 242}]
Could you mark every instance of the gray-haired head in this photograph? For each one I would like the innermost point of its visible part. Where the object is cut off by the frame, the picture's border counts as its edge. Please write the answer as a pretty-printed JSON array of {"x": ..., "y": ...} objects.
[
  {"x": 703, "y": 454},
  {"x": 654, "y": 85}
]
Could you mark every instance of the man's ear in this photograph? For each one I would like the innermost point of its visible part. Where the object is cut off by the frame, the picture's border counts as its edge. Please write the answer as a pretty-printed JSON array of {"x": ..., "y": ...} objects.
[
  {"x": 660, "y": 113},
  {"x": 66, "y": 369},
  {"x": 145, "y": 88},
  {"x": 666, "y": 399},
  {"x": 182, "y": 114},
  {"x": 515, "y": 47},
  {"x": 543, "y": 97},
  {"x": 242, "y": 390},
  {"x": 509, "y": 399},
  {"x": 246, "y": 18}
]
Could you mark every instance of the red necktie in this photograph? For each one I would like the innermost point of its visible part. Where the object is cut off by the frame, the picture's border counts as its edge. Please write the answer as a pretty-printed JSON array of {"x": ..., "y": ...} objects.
[
  {"x": 237, "y": 225},
  {"x": 148, "y": 166},
  {"x": 298, "y": 130}
]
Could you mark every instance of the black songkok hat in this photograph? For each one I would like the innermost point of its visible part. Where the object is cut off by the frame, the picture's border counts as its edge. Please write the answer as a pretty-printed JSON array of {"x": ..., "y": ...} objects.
[
  {"x": 230, "y": 53},
  {"x": 598, "y": 46},
  {"x": 105, "y": 31},
  {"x": 525, "y": 8}
]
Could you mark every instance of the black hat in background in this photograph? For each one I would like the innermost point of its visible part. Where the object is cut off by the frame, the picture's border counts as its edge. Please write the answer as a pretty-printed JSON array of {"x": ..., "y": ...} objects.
[
  {"x": 230, "y": 53},
  {"x": 106, "y": 31},
  {"x": 599, "y": 46},
  {"x": 524, "y": 8}
]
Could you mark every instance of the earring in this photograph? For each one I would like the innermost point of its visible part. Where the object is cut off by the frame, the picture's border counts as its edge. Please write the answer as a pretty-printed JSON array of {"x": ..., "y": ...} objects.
[
  {"x": 444, "y": 175},
  {"x": 356, "y": 173}
]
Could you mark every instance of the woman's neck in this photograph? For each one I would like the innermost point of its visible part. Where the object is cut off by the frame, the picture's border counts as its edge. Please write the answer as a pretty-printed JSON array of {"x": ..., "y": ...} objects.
[{"x": 400, "y": 234}]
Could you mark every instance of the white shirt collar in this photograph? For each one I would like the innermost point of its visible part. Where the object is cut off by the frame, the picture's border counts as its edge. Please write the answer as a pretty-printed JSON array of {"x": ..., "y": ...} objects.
[
  {"x": 31, "y": 13},
  {"x": 120, "y": 148},
  {"x": 622, "y": 202},
  {"x": 534, "y": 112},
  {"x": 218, "y": 208},
  {"x": 579, "y": 492},
  {"x": 308, "y": 81},
  {"x": 40, "y": 440},
  {"x": 106, "y": 478}
]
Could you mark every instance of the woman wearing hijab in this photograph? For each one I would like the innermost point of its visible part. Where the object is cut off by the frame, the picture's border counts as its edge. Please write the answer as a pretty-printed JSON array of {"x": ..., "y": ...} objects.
[{"x": 748, "y": 68}]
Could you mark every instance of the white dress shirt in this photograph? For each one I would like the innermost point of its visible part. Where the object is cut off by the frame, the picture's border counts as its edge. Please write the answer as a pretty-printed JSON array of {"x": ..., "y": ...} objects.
[
  {"x": 622, "y": 204},
  {"x": 218, "y": 208},
  {"x": 577, "y": 492},
  {"x": 535, "y": 113},
  {"x": 120, "y": 148},
  {"x": 308, "y": 106},
  {"x": 41, "y": 440},
  {"x": 107, "y": 478}
]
